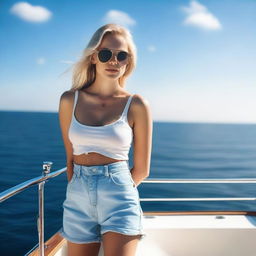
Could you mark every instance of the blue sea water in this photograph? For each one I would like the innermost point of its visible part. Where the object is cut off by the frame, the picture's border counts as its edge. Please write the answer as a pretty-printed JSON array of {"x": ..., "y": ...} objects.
[{"x": 180, "y": 150}]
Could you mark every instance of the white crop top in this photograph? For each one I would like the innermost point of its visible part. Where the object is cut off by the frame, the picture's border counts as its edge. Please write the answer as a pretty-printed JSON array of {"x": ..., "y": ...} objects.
[{"x": 112, "y": 140}]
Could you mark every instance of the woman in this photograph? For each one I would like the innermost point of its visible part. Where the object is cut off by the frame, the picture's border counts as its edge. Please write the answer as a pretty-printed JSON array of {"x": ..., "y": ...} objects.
[{"x": 99, "y": 120}]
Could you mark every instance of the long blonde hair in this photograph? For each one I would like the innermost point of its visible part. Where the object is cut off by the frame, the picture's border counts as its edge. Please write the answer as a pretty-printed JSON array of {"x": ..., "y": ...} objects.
[{"x": 84, "y": 72}]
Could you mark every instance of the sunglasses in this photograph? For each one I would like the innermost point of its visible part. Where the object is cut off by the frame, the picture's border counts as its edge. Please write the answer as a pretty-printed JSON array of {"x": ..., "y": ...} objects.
[{"x": 104, "y": 55}]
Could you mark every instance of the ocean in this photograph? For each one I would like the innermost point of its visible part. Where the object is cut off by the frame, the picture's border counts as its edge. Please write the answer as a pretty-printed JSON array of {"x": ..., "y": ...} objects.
[{"x": 180, "y": 150}]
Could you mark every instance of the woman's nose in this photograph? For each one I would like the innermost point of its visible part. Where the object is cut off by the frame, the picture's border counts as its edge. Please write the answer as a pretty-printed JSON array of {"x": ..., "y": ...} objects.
[{"x": 113, "y": 58}]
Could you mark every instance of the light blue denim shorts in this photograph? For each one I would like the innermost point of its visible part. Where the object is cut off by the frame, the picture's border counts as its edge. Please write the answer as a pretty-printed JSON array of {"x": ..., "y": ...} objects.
[{"x": 99, "y": 199}]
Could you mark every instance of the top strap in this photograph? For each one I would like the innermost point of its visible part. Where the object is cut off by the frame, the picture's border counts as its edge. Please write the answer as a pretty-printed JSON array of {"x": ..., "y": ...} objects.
[
  {"x": 75, "y": 101},
  {"x": 126, "y": 109}
]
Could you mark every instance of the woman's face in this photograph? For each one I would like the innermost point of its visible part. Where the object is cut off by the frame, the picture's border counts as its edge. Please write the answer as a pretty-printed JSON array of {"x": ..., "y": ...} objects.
[{"x": 115, "y": 43}]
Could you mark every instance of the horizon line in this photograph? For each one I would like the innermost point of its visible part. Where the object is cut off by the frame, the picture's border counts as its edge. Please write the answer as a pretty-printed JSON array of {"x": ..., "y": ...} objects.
[{"x": 154, "y": 120}]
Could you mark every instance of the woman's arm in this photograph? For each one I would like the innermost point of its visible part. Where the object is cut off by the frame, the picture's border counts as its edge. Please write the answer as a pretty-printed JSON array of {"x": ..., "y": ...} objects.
[
  {"x": 142, "y": 139},
  {"x": 65, "y": 116}
]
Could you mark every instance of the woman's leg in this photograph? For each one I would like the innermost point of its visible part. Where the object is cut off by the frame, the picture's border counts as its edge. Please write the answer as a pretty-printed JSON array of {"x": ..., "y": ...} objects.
[
  {"x": 116, "y": 244},
  {"x": 90, "y": 249}
]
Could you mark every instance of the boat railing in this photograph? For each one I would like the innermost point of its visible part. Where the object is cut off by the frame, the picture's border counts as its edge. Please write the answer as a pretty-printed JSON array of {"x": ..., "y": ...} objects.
[
  {"x": 224, "y": 180},
  {"x": 40, "y": 181},
  {"x": 47, "y": 174}
]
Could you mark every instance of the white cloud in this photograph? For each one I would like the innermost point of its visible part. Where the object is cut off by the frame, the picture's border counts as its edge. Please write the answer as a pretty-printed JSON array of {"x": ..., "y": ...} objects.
[
  {"x": 40, "y": 61},
  {"x": 199, "y": 16},
  {"x": 119, "y": 17},
  {"x": 30, "y": 13},
  {"x": 151, "y": 48}
]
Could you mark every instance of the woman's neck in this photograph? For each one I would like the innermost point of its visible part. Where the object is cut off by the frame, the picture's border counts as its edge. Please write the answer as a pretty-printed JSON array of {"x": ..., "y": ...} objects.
[{"x": 104, "y": 87}]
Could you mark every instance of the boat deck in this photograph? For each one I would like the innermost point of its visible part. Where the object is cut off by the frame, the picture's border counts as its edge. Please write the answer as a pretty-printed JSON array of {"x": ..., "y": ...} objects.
[{"x": 190, "y": 233}]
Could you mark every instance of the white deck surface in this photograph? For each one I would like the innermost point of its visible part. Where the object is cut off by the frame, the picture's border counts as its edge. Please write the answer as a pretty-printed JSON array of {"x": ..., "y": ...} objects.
[
  {"x": 196, "y": 235},
  {"x": 199, "y": 235}
]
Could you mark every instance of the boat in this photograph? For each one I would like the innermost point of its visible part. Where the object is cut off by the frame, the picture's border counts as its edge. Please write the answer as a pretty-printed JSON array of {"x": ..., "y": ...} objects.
[{"x": 171, "y": 233}]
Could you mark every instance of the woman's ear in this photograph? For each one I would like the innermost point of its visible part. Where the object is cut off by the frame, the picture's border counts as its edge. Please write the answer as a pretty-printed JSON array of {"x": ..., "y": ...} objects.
[{"x": 93, "y": 59}]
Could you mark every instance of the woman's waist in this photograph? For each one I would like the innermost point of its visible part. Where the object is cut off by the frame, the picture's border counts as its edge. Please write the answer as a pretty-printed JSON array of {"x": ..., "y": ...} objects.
[
  {"x": 94, "y": 158},
  {"x": 101, "y": 167}
]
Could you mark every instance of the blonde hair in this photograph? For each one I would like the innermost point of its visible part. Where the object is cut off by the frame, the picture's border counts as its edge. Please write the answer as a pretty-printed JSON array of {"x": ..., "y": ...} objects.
[{"x": 84, "y": 72}]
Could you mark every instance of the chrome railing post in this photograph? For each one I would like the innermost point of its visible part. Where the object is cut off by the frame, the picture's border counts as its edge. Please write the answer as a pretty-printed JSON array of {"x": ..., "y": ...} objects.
[{"x": 40, "y": 220}]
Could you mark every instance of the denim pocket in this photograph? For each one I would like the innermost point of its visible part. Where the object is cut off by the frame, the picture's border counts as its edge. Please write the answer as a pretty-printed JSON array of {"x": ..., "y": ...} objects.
[{"x": 122, "y": 178}]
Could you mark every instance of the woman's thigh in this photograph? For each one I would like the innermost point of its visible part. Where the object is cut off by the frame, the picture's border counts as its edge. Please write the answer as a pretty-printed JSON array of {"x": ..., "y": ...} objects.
[
  {"x": 90, "y": 249},
  {"x": 115, "y": 244}
]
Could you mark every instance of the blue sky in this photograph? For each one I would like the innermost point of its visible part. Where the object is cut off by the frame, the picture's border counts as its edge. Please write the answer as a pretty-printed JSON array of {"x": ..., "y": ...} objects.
[{"x": 196, "y": 59}]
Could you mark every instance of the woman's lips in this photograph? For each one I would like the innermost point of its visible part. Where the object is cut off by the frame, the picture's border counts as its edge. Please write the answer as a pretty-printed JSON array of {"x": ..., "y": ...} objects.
[{"x": 112, "y": 70}]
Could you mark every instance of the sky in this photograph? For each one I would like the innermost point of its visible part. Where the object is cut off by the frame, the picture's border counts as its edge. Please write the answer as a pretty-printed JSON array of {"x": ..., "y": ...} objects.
[{"x": 196, "y": 59}]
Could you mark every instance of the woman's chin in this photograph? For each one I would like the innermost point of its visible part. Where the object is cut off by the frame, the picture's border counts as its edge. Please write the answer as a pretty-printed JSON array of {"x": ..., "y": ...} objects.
[{"x": 112, "y": 76}]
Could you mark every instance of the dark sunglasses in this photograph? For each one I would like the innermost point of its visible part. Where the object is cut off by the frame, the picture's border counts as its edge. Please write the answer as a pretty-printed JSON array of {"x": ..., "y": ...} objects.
[{"x": 104, "y": 55}]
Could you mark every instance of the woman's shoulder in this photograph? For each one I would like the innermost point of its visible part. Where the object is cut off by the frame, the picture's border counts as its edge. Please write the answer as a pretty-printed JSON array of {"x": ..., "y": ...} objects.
[
  {"x": 139, "y": 106},
  {"x": 139, "y": 101},
  {"x": 67, "y": 100},
  {"x": 67, "y": 95}
]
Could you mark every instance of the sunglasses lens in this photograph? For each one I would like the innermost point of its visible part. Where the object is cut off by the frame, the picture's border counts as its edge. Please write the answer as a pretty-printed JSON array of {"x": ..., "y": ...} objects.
[
  {"x": 122, "y": 56},
  {"x": 104, "y": 55}
]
